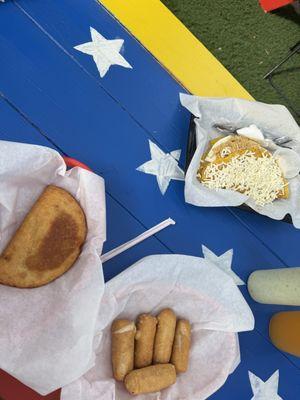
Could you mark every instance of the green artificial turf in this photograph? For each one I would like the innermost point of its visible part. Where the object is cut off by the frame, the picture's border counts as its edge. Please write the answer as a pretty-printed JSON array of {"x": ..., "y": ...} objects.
[{"x": 248, "y": 42}]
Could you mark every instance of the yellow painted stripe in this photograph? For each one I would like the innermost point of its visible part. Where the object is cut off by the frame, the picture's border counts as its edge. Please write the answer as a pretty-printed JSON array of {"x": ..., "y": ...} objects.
[{"x": 176, "y": 48}]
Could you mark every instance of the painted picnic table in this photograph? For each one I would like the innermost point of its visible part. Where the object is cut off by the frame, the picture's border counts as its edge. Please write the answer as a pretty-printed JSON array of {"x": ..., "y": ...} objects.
[{"x": 52, "y": 95}]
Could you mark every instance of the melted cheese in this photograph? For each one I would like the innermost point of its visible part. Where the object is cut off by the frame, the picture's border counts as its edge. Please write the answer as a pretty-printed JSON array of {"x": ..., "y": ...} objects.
[{"x": 257, "y": 177}]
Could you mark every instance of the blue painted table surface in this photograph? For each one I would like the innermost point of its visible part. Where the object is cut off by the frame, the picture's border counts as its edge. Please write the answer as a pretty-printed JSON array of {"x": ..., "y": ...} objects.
[{"x": 52, "y": 95}]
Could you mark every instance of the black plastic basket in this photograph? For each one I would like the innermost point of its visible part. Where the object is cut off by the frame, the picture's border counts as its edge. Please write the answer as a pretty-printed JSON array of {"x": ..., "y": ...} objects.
[{"x": 190, "y": 151}]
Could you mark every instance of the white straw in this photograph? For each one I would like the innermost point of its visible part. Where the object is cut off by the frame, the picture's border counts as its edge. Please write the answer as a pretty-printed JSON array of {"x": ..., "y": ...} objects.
[{"x": 152, "y": 231}]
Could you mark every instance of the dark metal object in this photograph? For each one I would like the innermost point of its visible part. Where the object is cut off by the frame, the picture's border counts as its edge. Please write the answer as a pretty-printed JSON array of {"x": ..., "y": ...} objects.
[
  {"x": 222, "y": 128},
  {"x": 191, "y": 148},
  {"x": 280, "y": 141},
  {"x": 225, "y": 128},
  {"x": 293, "y": 50}
]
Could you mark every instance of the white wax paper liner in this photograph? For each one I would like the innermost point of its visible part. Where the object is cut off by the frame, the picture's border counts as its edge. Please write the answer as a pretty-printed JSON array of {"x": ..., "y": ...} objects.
[
  {"x": 197, "y": 290},
  {"x": 46, "y": 334},
  {"x": 275, "y": 120}
]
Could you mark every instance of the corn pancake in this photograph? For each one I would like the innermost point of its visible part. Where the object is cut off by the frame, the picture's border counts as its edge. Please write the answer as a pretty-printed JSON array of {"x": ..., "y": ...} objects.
[
  {"x": 236, "y": 145},
  {"x": 232, "y": 143},
  {"x": 47, "y": 243}
]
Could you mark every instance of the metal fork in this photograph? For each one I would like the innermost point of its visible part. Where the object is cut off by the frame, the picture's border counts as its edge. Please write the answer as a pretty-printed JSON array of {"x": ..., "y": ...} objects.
[{"x": 227, "y": 128}]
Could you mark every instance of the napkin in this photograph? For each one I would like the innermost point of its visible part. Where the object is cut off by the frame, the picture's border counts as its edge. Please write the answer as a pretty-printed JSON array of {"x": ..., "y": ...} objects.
[
  {"x": 197, "y": 290},
  {"x": 274, "y": 121},
  {"x": 46, "y": 333}
]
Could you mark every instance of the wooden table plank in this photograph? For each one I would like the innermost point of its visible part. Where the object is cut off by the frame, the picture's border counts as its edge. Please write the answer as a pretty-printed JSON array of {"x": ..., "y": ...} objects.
[
  {"x": 161, "y": 116},
  {"x": 14, "y": 128},
  {"x": 68, "y": 24},
  {"x": 276, "y": 234},
  {"x": 77, "y": 114}
]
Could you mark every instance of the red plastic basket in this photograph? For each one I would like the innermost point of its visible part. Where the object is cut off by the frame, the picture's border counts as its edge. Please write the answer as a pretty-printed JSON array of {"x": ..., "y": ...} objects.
[
  {"x": 11, "y": 388},
  {"x": 71, "y": 162}
]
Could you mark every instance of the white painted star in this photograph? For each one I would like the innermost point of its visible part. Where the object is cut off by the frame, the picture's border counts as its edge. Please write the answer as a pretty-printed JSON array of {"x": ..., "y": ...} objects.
[
  {"x": 105, "y": 52},
  {"x": 265, "y": 390},
  {"x": 223, "y": 262},
  {"x": 163, "y": 165}
]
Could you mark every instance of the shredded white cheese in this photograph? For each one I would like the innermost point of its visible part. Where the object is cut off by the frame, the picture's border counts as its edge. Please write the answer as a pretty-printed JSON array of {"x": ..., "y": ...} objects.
[{"x": 257, "y": 177}]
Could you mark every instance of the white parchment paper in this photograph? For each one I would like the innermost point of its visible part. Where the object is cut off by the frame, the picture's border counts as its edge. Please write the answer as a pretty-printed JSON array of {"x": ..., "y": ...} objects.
[
  {"x": 273, "y": 120},
  {"x": 46, "y": 334},
  {"x": 197, "y": 290}
]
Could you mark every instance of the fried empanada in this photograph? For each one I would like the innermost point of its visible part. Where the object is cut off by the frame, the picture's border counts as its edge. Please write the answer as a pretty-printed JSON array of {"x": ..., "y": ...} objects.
[{"x": 47, "y": 243}]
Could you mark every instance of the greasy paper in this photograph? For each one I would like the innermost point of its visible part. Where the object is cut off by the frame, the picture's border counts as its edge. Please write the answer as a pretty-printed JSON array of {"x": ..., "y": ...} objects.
[
  {"x": 195, "y": 289},
  {"x": 46, "y": 333},
  {"x": 274, "y": 121}
]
